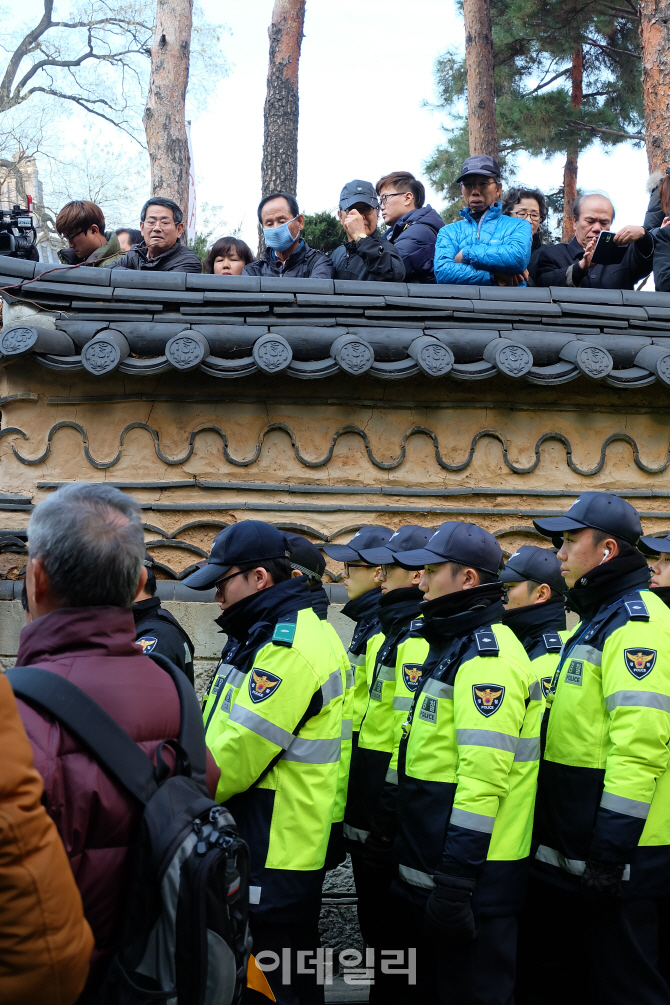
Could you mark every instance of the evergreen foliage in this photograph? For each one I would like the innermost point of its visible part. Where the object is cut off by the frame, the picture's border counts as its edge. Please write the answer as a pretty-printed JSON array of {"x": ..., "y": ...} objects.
[
  {"x": 323, "y": 231},
  {"x": 533, "y": 43}
]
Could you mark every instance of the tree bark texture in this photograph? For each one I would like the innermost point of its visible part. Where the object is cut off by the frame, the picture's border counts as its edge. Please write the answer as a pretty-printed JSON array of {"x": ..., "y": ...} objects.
[
  {"x": 479, "y": 65},
  {"x": 655, "y": 37},
  {"x": 279, "y": 170},
  {"x": 165, "y": 113},
  {"x": 572, "y": 157}
]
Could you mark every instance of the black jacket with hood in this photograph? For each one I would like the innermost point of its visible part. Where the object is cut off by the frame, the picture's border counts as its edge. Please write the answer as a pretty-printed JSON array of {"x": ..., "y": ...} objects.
[{"x": 372, "y": 258}]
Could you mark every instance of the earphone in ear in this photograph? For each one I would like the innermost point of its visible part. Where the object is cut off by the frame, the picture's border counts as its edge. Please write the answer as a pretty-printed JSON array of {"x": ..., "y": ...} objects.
[{"x": 606, "y": 553}]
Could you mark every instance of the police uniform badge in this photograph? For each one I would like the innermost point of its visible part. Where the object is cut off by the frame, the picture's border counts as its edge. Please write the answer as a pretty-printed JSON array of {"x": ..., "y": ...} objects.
[
  {"x": 262, "y": 684},
  {"x": 148, "y": 643},
  {"x": 488, "y": 698},
  {"x": 545, "y": 684},
  {"x": 411, "y": 675},
  {"x": 640, "y": 662}
]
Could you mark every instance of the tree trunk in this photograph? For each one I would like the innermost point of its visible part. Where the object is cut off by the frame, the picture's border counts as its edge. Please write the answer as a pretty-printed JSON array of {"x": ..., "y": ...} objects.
[
  {"x": 479, "y": 65},
  {"x": 572, "y": 158},
  {"x": 165, "y": 113},
  {"x": 279, "y": 169},
  {"x": 655, "y": 36}
]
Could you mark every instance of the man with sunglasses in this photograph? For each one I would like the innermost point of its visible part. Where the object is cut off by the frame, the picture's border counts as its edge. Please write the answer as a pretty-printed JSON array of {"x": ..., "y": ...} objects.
[
  {"x": 483, "y": 248},
  {"x": 366, "y": 256},
  {"x": 273, "y": 724}
]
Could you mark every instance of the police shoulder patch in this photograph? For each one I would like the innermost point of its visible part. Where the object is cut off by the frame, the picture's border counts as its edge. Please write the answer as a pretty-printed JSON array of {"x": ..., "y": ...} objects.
[
  {"x": 488, "y": 698},
  {"x": 546, "y": 684},
  {"x": 148, "y": 643},
  {"x": 640, "y": 662},
  {"x": 411, "y": 675},
  {"x": 262, "y": 684},
  {"x": 284, "y": 633},
  {"x": 487, "y": 643}
]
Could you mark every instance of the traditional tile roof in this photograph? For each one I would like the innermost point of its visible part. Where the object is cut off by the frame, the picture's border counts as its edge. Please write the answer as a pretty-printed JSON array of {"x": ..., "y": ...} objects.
[{"x": 145, "y": 323}]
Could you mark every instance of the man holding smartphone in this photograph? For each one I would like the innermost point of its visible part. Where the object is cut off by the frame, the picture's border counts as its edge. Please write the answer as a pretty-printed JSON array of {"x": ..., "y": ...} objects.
[{"x": 572, "y": 264}]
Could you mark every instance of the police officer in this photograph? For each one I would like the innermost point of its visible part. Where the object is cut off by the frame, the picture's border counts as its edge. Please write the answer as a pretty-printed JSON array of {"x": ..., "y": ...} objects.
[
  {"x": 157, "y": 630},
  {"x": 306, "y": 560},
  {"x": 466, "y": 776},
  {"x": 276, "y": 738},
  {"x": 364, "y": 595},
  {"x": 658, "y": 548},
  {"x": 373, "y": 867},
  {"x": 602, "y": 829},
  {"x": 535, "y": 607}
]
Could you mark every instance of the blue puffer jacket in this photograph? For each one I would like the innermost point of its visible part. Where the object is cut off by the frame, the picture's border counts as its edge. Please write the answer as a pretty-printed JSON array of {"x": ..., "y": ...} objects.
[{"x": 495, "y": 243}]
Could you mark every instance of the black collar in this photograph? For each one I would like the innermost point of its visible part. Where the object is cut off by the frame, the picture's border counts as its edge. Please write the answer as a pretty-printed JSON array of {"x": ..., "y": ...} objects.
[
  {"x": 398, "y": 607},
  {"x": 459, "y": 614},
  {"x": 607, "y": 583},
  {"x": 530, "y": 622},
  {"x": 144, "y": 607},
  {"x": 243, "y": 619}
]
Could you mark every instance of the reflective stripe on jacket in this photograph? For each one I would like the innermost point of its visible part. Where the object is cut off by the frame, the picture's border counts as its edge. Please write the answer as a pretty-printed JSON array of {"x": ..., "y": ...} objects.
[
  {"x": 604, "y": 789},
  {"x": 468, "y": 769}
]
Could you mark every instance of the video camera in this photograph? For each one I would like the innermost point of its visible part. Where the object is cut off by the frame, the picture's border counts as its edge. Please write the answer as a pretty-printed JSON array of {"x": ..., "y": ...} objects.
[{"x": 18, "y": 236}]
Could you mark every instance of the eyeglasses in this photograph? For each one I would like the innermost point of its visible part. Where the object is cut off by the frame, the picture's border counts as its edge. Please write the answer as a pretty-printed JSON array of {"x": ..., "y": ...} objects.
[
  {"x": 521, "y": 214},
  {"x": 73, "y": 237},
  {"x": 219, "y": 583},
  {"x": 383, "y": 199},
  {"x": 358, "y": 565},
  {"x": 478, "y": 184}
]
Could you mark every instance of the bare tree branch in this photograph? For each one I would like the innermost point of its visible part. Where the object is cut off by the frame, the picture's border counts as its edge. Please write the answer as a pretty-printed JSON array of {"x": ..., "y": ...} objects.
[
  {"x": 546, "y": 83},
  {"x": 82, "y": 104},
  {"x": 610, "y": 48}
]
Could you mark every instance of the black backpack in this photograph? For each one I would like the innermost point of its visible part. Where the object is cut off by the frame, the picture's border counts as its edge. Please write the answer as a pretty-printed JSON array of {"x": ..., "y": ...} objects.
[{"x": 185, "y": 939}]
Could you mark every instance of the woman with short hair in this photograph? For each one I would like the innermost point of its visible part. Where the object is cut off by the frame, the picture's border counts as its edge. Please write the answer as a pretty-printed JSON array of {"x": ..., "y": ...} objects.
[
  {"x": 228, "y": 256},
  {"x": 528, "y": 204}
]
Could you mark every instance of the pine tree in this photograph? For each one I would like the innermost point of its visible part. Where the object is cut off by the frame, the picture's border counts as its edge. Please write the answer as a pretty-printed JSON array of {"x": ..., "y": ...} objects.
[
  {"x": 655, "y": 35},
  {"x": 536, "y": 46}
]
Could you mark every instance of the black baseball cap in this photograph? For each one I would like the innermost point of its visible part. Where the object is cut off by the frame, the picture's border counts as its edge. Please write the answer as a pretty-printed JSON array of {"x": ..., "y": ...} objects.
[
  {"x": 358, "y": 191},
  {"x": 600, "y": 510},
  {"x": 305, "y": 556},
  {"x": 480, "y": 164},
  {"x": 408, "y": 537},
  {"x": 247, "y": 541},
  {"x": 366, "y": 537},
  {"x": 465, "y": 543},
  {"x": 654, "y": 545},
  {"x": 537, "y": 564}
]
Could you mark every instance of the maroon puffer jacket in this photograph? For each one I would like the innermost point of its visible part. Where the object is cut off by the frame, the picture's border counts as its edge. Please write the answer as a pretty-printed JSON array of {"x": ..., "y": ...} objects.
[{"x": 94, "y": 648}]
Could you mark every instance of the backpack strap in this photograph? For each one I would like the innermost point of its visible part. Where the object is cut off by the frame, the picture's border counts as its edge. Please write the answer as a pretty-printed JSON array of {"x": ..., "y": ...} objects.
[
  {"x": 92, "y": 726},
  {"x": 191, "y": 729}
]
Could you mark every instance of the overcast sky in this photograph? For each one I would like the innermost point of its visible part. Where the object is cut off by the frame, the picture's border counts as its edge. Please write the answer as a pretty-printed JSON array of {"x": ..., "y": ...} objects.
[{"x": 365, "y": 71}]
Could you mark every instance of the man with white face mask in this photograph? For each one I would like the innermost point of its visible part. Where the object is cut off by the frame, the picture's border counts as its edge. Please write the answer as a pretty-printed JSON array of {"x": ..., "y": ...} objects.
[{"x": 286, "y": 254}]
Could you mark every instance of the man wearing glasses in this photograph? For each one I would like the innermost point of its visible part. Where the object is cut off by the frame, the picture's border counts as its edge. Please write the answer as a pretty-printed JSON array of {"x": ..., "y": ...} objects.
[
  {"x": 412, "y": 227},
  {"x": 483, "y": 248},
  {"x": 366, "y": 255},
  {"x": 273, "y": 725}
]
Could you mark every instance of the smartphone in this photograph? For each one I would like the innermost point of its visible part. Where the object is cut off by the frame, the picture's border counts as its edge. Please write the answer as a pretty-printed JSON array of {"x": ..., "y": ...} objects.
[{"x": 606, "y": 251}]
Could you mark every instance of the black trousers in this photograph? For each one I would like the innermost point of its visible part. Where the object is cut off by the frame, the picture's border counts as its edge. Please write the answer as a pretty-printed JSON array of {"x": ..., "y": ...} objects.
[
  {"x": 382, "y": 927},
  {"x": 480, "y": 973},
  {"x": 572, "y": 951},
  {"x": 288, "y": 943}
]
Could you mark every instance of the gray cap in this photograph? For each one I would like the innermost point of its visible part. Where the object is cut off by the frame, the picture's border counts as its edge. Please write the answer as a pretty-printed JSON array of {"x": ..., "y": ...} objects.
[
  {"x": 480, "y": 164},
  {"x": 358, "y": 191}
]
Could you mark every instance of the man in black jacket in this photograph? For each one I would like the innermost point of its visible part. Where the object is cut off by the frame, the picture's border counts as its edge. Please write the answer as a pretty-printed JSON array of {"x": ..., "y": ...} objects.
[
  {"x": 161, "y": 224},
  {"x": 286, "y": 254},
  {"x": 158, "y": 631},
  {"x": 571, "y": 264},
  {"x": 366, "y": 255},
  {"x": 412, "y": 227}
]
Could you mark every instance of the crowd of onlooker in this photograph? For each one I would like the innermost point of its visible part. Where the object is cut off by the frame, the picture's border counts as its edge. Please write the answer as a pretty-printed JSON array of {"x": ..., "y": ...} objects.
[{"x": 501, "y": 238}]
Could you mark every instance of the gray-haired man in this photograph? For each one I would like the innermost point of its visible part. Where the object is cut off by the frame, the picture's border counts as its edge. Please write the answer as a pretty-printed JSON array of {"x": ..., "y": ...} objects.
[{"x": 82, "y": 628}]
